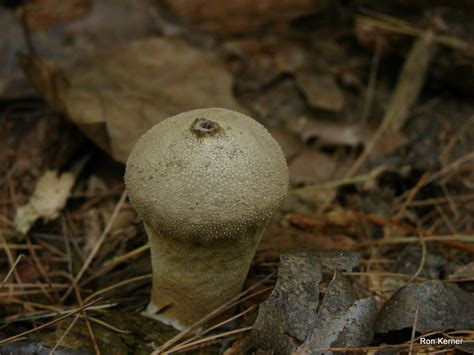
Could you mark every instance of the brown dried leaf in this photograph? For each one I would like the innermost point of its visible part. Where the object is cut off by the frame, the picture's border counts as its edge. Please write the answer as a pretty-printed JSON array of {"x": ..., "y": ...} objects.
[
  {"x": 120, "y": 93},
  {"x": 321, "y": 90},
  {"x": 312, "y": 166},
  {"x": 49, "y": 198}
]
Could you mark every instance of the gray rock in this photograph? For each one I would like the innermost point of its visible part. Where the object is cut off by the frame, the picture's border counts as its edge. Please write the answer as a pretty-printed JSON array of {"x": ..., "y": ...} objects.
[
  {"x": 342, "y": 321},
  {"x": 441, "y": 307},
  {"x": 286, "y": 318}
]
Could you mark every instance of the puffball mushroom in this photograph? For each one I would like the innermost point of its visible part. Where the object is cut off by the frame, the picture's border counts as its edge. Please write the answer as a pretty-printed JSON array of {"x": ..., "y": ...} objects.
[{"x": 205, "y": 183}]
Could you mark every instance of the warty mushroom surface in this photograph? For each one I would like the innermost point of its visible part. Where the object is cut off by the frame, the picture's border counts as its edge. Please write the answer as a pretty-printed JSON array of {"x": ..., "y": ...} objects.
[{"x": 205, "y": 183}]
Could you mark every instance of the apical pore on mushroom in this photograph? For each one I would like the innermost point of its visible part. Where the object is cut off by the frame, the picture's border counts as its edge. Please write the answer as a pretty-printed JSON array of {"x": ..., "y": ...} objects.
[{"x": 205, "y": 183}]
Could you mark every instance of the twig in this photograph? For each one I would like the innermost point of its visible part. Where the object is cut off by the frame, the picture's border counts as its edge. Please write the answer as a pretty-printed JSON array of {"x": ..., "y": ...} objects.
[
  {"x": 64, "y": 335},
  {"x": 451, "y": 167},
  {"x": 122, "y": 258},
  {"x": 9, "y": 257},
  {"x": 413, "y": 331},
  {"x": 443, "y": 156},
  {"x": 97, "y": 246},
  {"x": 115, "y": 261},
  {"x": 422, "y": 262},
  {"x": 26, "y": 32},
  {"x": 205, "y": 340},
  {"x": 12, "y": 268},
  {"x": 38, "y": 266},
  {"x": 405, "y": 95},
  {"x": 421, "y": 182},
  {"x": 387, "y": 222},
  {"x": 208, "y": 330},
  {"x": 56, "y": 312},
  {"x": 393, "y": 24},
  {"x": 383, "y": 273},
  {"x": 442, "y": 200},
  {"x": 121, "y": 283},
  {"x": 88, "y": 323},
  {"x": 54, "y": 321},
  {"x": 303, "y": 191},
  {"x": 468, "y": 238},
  {"x": 11, "y": 190},
  {"x": 228, "y": 304},
  {"x": 369, "y": 96}
]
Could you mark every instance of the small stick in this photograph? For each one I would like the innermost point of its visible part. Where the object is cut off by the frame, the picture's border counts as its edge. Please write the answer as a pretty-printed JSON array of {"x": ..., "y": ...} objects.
[
  {"x": 405, "y": 95},
  {"x": 54, "y": 321},
  {"x": 202, "y": 341},
  {"x": 251, "y": 308},
  {"x": 97, "y": 246},
  {"x": 12, "y": 268},
  {"x": 413, "y": 331},
  {"x": 211, "y": 315},
  {"x": 64, "y": 335}
]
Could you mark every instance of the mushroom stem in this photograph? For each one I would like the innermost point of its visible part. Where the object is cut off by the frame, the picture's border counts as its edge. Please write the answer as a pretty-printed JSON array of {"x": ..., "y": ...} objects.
[
  {"x": 192, "y": 280},
  {"x": 205, "y": 182}
]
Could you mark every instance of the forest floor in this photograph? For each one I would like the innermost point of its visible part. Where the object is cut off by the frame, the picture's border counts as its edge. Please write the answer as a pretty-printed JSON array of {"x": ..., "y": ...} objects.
[{"x": 372, "y": 103}]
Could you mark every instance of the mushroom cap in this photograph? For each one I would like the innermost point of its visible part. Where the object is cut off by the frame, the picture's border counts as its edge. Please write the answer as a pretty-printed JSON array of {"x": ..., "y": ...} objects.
[{"x": 206, "y": 175}]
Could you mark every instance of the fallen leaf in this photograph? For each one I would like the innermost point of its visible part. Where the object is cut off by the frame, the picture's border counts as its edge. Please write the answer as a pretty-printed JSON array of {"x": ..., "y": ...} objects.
[
  {"x": 321, "y": 90},
  {"x": 49, "y": 198},
  {"x": 120, "y": 93},
  {"x": 312, "y": 166}
]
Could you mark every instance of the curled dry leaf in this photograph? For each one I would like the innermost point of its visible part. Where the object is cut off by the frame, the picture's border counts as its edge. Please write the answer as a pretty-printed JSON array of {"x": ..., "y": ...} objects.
[
  {"x": 49, "y": 198},
  {"x": 120, "y": 93}
]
